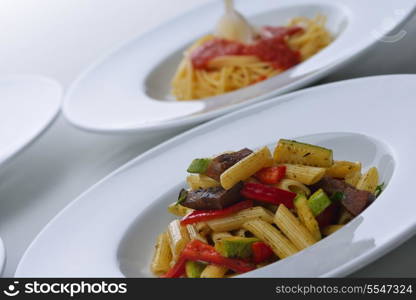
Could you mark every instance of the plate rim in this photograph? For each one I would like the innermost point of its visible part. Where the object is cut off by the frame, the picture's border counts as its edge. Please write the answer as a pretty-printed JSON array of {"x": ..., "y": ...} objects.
[
  {"x": 47, "y": 122},
  {"x": 198, "y": 118},
  {"x": 345, "y": 269}
]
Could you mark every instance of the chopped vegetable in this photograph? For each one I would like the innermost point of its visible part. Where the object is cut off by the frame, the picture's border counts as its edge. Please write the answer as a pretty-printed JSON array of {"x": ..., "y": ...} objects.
[
  {"x": 293, "y": 152},
  {"x": 337, "y": 196},
  {"x": 318, "y": 202},
  {"x": 182, "y": 196},
  {"x": 353, "y": 178},
  {"x": 235, "y": 247},
  {"x": 369, "y": 181},
  {"x": 328, "y": 216},
  {"x": 177, "y": 270},
  {"x": 340, "y": 169},
  {"x": 205, "y": 215},
  {"x": 306, "y": 216},
  {"x": 179, "y": 210},
  {"x": 379, "y": 189},
  {"x": 199, "y": 165},
  {"x": 271, "y": 175},
  {"x": 246, "y": 167},
  {"x": 213, "y": 197},
  {"x": 225, "y": 161},
  {"x": 261, "y": 252},
  {"x": 354, "y": 200},
  {"x": 194, "y": 269},
  {"x": 199, "y": 251},
  {"x": 200, "y": 181},
  {"x": 268, "y": 194}
]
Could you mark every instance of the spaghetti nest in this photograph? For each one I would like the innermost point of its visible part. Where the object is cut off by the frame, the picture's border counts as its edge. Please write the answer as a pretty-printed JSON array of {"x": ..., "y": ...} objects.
[{"x": 232, "y": 72}]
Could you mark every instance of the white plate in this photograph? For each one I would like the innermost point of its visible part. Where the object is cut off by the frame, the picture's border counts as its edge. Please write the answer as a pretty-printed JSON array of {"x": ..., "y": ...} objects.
[
  {"x": 127, "y": 90},
  {"x": 2, "y": 257},
  {"x": 110, "y": 230},
  {"x": 28, "y": 104}
]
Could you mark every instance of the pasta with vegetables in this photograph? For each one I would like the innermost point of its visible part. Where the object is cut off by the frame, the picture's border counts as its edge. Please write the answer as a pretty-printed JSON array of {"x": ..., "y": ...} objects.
[{"x": 245, "y": 209}]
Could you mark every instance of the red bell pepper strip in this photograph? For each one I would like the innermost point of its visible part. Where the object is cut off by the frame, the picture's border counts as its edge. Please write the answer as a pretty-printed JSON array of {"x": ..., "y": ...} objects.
[
  {"x": 199, "y": 251},
  {"x": 268, "y": 194},
  {"x": 177, "y": 270},
  {"x": 261, "y": 252},
  {"x": 271, "y": 175},
  {"x": 205, "y": 215}
]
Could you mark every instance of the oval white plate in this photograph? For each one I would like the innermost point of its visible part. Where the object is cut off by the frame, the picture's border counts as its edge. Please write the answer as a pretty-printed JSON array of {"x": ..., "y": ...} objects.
[
  {"x": 128, "y": 89},
  {"x": 110, "y": 230},
  {"x": 28, "y": 105}
]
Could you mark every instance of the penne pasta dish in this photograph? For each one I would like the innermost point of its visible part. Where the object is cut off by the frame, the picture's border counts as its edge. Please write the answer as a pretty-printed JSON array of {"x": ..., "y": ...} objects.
[{"x": 246, "y": 209}]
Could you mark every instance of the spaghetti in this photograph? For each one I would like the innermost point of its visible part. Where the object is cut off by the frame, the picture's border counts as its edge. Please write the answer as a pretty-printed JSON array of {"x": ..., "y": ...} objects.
[{"x": 214, "y": 66}]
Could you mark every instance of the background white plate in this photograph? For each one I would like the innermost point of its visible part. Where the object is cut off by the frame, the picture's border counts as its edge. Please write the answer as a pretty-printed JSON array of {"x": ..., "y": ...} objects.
[
  {"x": 28, "y": 104},
  {"x": 126, "y": 90},
  {"x": 102, "y": 233},
  {"x": 2, "y": 256}
]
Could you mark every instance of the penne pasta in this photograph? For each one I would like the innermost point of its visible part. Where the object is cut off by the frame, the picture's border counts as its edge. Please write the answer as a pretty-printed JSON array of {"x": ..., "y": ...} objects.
[
  {"x": 214, "y": 271},
  {"x": 306, "y": 216},
  {"x": 369, "y": 181},
  {"x": 194, "y": 234},
  {"x": 236, "y": 220},
  {"x": 345, "y": 217},
  {"x": 353, "y": 178},
  {"x": 340, "y": 169},
  {"x": 264, "y": 231},
  {"x": 304, "y": 174},
  {"x": 203, "y": 228},
  {"x": 292, "y": 228},
  {"x": 179, "y": 210},
  {"x": 178, "y": 238},
  {"x": 331, "y": 229},
  {"x": 217, "y": 236},
  {"x": 241, "y": 232},
  {"x": 293, "y": 186},
  {"x": 199, "y": 181},
  {"x": 246, "y": 168},
  {"x": 162, "y": 256}
]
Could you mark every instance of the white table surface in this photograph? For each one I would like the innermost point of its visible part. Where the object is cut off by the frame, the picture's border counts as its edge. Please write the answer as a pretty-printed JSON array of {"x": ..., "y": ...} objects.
[{"x": 59, "y": 38}]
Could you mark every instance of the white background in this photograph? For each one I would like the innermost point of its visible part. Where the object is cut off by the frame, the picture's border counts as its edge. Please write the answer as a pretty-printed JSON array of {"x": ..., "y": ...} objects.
[{"x": 59, "y": 38}]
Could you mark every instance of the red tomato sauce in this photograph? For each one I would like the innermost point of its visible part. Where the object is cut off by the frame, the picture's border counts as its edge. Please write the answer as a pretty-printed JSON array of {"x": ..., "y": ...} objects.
[{"x": 271, "y": 47}]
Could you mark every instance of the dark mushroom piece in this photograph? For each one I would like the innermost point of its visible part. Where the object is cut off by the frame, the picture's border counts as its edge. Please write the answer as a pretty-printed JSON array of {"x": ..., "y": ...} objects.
[{"x": 213, "y": 198}]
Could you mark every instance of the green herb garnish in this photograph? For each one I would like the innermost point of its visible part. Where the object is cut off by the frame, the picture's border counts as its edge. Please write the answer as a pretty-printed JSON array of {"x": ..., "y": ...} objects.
[
  {"x": 379, "y": 189},
  {"x": 337, "y": 196},
  {"x": 182, "y": 196}
]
